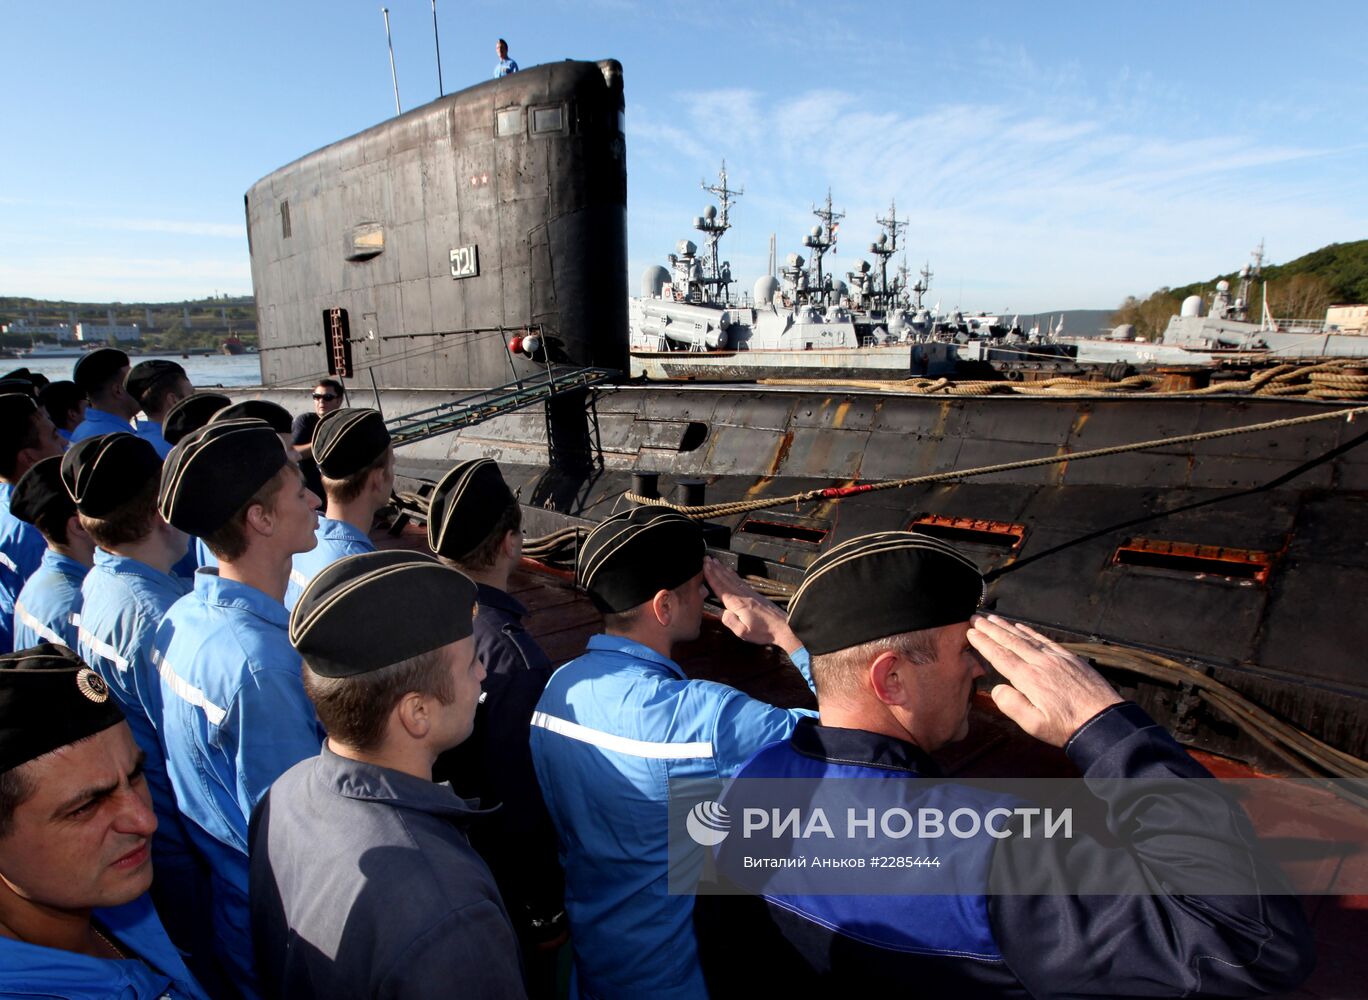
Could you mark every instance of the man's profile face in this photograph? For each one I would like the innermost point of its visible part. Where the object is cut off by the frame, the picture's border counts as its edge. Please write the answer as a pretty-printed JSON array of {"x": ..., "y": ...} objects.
[
  {"x": 294, "y": 512},
  {"x": 502, "y": 49},
  {"x": 940, "y": 692},
  {"x": 83, "y": 836},
  {"x": 456, "y": 721}
]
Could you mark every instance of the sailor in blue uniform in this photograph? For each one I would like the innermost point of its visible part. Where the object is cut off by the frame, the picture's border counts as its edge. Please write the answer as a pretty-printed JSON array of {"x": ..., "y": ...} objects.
[
  {"x": 190, "y": 414},
  {"x": 890, "y": 621},
  {"x": 353, "y": 452},
  {"x": 156, "y": 385},
  {"x": 114, "y": 480},
  {"x": 362, "y": 881},
  {"x": 505, "y": 65},
  {"x": 618, "y": 724},
  {"x": 48, "y": 609},
  {"x": 74, "y": 856},
  {"x": 66, "y": 404},
  {"x": 100, "y": 375},
  {"x": 475, "y": 525},
  {"x": 27, "y": 436},
  {"x": 234, "y": 712}
]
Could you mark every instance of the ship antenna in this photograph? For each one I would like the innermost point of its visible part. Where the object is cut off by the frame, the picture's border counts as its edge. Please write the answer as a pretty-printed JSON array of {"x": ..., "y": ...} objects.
[
  {"x": 437, "y": 40},
  {"x": 823, "y": 237},
  {"x": 887, "y": 247},
  {"x": 713, "y": 229},
  {"x": 394, "y": 77}
]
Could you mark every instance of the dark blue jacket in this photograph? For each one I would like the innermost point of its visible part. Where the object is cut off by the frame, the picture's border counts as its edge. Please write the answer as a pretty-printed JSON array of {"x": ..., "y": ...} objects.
[
  {"x": 363, "y": 885},
  {"x": 495, "y": 765},
  {"x": 1024, "y": 943}
]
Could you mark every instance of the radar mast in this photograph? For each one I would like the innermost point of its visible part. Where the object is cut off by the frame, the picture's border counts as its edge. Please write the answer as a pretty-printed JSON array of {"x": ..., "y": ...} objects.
[{"x": 713, "y": 224}]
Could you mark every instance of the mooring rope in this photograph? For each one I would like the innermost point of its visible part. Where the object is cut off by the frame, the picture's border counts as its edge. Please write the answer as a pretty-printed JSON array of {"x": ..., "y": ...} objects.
[{"x": 699, "y": 513}]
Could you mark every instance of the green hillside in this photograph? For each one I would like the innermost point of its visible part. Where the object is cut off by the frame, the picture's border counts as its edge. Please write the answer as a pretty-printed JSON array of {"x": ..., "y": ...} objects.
[
  {"x": 200, "y": 323},
  {"x": 1303, "y": 288}
]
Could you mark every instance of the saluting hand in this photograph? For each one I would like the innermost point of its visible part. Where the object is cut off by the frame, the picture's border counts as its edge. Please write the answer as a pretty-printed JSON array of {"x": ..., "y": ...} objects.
[
  {"x": 1051, "y": 692},
  {"x": 746, "y": 614}
]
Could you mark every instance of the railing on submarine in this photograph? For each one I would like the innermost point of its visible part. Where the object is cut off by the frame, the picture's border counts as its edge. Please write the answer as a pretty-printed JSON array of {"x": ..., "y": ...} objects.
[{"x": 466, "y": 411}]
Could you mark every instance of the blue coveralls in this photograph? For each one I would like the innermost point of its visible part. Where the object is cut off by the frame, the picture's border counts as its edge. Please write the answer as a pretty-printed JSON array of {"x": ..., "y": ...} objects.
[
  {"x": 21, "y": 551},
  {"x": 612, "y": 729},
  {"x": 49, "y": 607},
  {"x": 30, "y": 970},
  {"x": 99, "y": 422},
  {"x": 336, "y": 540},
  {"x": 124, "y": 602},
  {"x": 234, "y": 718},
  {"x": 151, "y": 431}
]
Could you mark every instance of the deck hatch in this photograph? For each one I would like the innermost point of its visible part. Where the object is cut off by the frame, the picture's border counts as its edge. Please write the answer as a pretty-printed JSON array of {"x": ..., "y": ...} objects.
[
  {"x": 786, "y": 531},
  {"x": 1201, "y": 560},
  {"x": 970, "y": 530}
]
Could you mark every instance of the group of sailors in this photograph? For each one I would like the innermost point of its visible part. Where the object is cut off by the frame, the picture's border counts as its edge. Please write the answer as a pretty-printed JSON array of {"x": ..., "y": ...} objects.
[{"x": 244, "y": 753}]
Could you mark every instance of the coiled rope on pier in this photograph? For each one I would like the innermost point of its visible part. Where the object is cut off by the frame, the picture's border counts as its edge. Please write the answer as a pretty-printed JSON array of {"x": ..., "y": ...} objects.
[
  {"x": 841, "y": 492},
  {"x": 1338, "y": 379}
]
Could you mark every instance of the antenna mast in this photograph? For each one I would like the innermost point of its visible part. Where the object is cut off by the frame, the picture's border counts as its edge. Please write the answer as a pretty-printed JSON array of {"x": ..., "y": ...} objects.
[
  {"x": 394, "y": 77},
  {"x": 823, "y": 237},
  {"x": 714, "y": 225},
  {"x": 437, "y": 40},
  {"x": 886, "y": 247}
]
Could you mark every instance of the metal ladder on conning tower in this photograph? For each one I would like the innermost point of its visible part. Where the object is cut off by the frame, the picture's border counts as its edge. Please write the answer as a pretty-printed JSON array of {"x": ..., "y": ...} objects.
[{"x": 466, "y": 411}]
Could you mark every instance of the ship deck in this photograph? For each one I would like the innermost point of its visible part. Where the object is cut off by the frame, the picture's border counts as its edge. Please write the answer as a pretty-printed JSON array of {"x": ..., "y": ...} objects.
[{"x": 562, "y": 620}]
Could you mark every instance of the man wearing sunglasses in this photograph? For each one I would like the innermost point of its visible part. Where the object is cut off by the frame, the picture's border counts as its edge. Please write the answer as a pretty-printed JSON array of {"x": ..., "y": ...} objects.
[{"x": 328, "y": 395}]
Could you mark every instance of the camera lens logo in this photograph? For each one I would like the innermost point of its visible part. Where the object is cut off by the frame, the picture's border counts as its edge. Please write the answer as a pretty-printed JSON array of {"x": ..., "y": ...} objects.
[{"x": 708, "y": 824}]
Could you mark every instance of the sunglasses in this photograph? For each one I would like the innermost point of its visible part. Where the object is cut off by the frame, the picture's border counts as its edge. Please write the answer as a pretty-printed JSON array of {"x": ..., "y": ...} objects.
[{"x": 326, "y": 397}]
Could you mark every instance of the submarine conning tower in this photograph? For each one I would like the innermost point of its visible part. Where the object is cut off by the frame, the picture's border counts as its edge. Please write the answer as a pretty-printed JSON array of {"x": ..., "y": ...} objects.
[{"x": 417, "y": 248}]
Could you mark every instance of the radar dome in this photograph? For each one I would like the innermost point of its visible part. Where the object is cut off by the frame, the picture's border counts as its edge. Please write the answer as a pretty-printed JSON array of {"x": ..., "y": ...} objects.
[
  {"x": 653, "y": 281},
  {"x": 710, "y": 212},
  {"x": 1126, "y": 331},
  {"x": 840, "y": 288},
  {"x": 816, "y": 231},
  {"x": 1223, "y": 285},
  {"x": 766, "y": 288},
  {"x": 1193, "y": 306}
]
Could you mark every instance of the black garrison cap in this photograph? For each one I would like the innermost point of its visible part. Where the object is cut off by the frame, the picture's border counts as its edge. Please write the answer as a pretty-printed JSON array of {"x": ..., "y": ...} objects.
[
  {"x": 632, "y": 555},
  {"x": 214, "y": 471},
  {"x": 93, "y": 370},
  {"x": 465, "y": 506},
  {"x": 883, "y": 584},
  {"x": 148, "y": 375},
  {"x": 49, "y": 698},
  {"x": 39, "y": 498},
  {"x": 347, "y": 441},
  {"x": 191, "y": 413},
  {"x": 20, "y": 380},
  {"x": 16, "y": 410},
  {"x": 100, "y": 473},
  {"x": 365, "y": 612},
  {"x": 258, "y": 409}
]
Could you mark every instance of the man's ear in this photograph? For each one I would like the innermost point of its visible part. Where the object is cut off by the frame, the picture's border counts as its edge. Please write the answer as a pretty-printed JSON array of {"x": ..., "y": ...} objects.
[
  {"x": 75, "y": 530},
  {"x": 510, "y": 544},
  {"x": 884, "y": 678},
  {"x": 412, "y": 712},
  {"x": 260, "y": 520},
  {"x": 662, "y": 606}
]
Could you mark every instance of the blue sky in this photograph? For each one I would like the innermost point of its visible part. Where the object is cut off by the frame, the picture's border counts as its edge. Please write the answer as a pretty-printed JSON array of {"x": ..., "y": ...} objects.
[{"x": 1048, "y": 155}]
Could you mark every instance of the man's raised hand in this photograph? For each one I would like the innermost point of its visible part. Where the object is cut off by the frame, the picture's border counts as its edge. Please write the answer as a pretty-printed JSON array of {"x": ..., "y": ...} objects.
[{"x": 1051, "y": 692}]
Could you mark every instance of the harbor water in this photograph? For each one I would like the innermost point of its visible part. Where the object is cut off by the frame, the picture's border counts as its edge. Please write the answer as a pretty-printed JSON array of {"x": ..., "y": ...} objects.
[{"x": 206, "y": 371}]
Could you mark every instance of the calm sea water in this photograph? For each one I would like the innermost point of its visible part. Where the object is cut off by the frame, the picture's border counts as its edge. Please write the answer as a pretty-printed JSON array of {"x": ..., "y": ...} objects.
[{"x": 205, "y": 371}]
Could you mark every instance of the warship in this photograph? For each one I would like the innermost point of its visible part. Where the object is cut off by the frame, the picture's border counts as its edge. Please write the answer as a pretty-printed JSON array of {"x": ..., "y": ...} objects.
[
  {"x": 805, "y": 321},
  {"x": 462, "y": 267}
]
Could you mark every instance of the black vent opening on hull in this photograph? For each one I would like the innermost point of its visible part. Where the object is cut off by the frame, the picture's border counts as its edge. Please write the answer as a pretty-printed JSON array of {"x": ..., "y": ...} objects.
[
  {"x": 1202, "y": 561},
  {"x": 970, "y": 530},
  {"x": 694, "y": 435},
  {"x": 789, "y": 532}
]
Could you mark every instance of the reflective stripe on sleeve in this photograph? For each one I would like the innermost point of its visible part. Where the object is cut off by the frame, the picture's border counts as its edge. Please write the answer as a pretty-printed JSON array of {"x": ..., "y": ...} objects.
[{"x": 622, "y": 744}]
